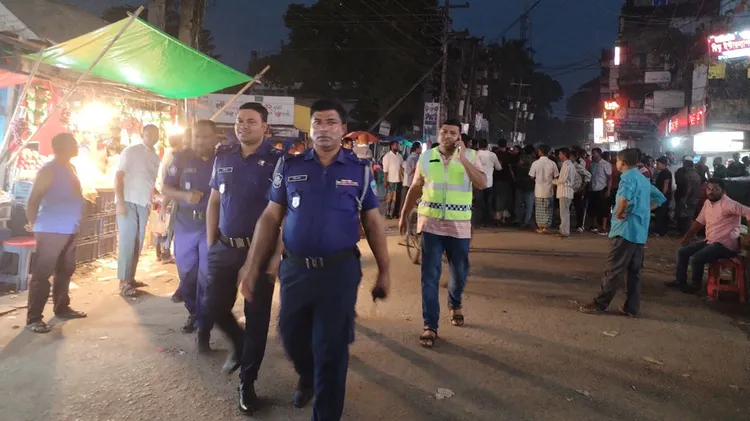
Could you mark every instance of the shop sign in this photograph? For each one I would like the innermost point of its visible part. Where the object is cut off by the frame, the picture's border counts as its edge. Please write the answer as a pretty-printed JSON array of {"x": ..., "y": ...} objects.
[
  {"x": 635, "y": 125},
  {"x": 729, "y": 46},
  {"x": 658, "y": 77},
  {"x": 385, "y": 128},
  {"x": 280, "y": 108}
]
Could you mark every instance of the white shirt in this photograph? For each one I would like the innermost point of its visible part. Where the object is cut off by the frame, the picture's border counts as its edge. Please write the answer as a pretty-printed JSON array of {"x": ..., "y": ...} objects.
[
  {"x": 567, "y": 180},
  {"x": 490, "y": 163},
  {"x": 543, "y": 171},
  {"x": 140, "y": 165},
  {"x": 392, "y": 163}
]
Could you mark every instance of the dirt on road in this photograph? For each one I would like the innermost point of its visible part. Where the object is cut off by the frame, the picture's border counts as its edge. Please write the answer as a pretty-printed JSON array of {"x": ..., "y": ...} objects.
[{"x": 525, "y": 353}]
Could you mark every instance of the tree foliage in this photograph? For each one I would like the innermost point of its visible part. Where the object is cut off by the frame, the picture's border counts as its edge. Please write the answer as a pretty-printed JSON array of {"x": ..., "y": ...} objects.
[
  {"x": 582, "y": 107},
  {"x": 205, "y": 38}
]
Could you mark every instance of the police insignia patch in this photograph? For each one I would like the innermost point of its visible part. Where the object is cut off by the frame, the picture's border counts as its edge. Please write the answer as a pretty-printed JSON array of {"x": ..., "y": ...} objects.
[
  {"x": 172, "y": 170},
  {"x": 277, "y": 179},
  {"x": 374, "y": 187}
]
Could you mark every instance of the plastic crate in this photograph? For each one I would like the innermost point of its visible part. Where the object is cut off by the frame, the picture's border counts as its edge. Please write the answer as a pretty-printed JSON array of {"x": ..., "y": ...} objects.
[
  {"x": 109, "y": 224},
  {"x": 107, "y": 244},
  {"x": 105, "y": 201},
  {"x": 21, "y": 191},
  {"x": 90, "y": 227},
  {"x": 89, "y": 209},
  {"x": 87, "y": 250}
]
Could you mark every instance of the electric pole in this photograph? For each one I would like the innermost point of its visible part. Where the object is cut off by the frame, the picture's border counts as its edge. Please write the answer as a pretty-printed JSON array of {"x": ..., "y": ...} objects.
[
  {"x": 521, "y": 110},
  {"x": 444, "y": 76}
]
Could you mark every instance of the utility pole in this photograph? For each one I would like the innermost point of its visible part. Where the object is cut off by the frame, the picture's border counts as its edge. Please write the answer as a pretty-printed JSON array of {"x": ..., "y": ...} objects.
[
  {"x": 444, "y": 76},
  {"x": 519, "y": 107}
]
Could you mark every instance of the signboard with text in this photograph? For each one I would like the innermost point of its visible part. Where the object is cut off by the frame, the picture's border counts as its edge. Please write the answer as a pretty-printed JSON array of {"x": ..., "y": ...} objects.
[
  {"x": 280, "y": 108},
  {"x": 729, "y": 46}
]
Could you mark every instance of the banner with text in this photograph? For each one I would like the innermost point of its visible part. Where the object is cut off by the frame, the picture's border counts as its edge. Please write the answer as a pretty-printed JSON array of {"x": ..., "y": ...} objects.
[{"x": 280, "y": 108}]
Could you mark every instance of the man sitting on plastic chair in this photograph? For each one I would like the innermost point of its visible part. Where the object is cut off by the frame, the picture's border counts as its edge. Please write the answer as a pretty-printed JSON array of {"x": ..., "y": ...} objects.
[{"x": 721, "y": 217}]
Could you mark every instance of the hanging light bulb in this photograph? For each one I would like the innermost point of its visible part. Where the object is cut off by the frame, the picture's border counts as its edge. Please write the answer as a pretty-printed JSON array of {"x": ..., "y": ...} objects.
[{"x": 531, "y": 116}]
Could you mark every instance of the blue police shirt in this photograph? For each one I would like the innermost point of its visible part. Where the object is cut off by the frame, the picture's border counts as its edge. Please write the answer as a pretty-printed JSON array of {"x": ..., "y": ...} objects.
[
  {"x": 243, "y": 184},
  {"x": 189, "y": 172},
  {"x": 640, "y": 194},
  {"x": 322, "y": 203}
]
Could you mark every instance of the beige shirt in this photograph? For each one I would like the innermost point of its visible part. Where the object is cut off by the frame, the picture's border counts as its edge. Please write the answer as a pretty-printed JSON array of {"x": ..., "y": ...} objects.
[
  {"x": 543, "y": 171},
  {"x": 392, "y": 163},
  {"x": 140, "y": 165}
]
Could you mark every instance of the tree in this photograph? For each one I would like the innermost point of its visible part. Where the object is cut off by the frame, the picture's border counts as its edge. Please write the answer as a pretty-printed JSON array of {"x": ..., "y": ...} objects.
[
  {"x": 205, "y": 41},
  {"x": 370, "y": 51},
  {"x": 582, "y": 107}
]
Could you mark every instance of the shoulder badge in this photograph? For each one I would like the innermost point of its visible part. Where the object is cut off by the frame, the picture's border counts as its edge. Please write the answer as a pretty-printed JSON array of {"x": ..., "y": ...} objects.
[
  {"x": 277, "y": 180},
  {"x": 172, "y": 170}
]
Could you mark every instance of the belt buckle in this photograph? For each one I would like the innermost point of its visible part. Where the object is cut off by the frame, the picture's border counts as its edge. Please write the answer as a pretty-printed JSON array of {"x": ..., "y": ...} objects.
[
  {"x": 314, "y": 262},
  {"x": 240, "y": 242}
]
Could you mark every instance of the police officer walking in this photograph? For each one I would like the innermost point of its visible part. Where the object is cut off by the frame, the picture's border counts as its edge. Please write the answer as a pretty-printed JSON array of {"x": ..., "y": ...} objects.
[
  {"x": 186, "y": 183},
  {"x": 320, "y": 196},
  {"x": 239, "y": 193}
]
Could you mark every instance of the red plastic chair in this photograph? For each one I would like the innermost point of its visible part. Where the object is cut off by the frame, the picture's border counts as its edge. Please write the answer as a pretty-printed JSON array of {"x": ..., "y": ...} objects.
[
  {"x": 24, "y": 247},
  {"x": 737, "y": 284}
]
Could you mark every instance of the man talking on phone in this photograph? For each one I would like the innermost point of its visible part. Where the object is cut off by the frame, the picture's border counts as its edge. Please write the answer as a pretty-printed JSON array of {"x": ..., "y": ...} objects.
[{"x": 443, "y": 181}]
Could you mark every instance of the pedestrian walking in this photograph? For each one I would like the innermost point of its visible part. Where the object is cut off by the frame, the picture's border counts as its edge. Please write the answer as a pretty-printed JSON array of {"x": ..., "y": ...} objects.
[
  {"x": 239, "y": 187},
  {"x": 410, "y": 165},
  {"x": 134, "y": 188},
  {"x": 636, "y": 197},
  {"x": 54, "y": 212},
  {"x": 599, "y": 191},
  {"x": 566, "y": 184},
  {"x": 320, "y": 196},
  {"x": 186, "y": 183},
  {"x": 392, "y": 167},
  {"x": 490, "y": 164},
  {"x": 443, "y": 183},
  {"x": 543, "y": 171}
]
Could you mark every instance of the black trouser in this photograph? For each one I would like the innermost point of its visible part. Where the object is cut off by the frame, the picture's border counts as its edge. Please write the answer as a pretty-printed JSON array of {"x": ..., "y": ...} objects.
[
  {"x": 257, "y": 319},
  {"x": 224, "y": 263},
  {"x": 661, "y": 220},
  {"x": 488, "y": 205},
  {"x": 625, "y": 260},
  {"x": 55, "y": 255}
]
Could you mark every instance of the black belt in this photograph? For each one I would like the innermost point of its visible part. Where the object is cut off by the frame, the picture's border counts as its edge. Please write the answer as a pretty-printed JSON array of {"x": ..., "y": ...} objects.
[
  {"x": 236, "y": 242},
  {"x": 321, "y": 262},
  {"x": 193, "y": 213}
]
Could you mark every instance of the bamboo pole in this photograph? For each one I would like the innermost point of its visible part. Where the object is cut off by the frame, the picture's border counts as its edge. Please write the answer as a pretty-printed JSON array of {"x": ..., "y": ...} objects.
[
  {"x": 67, "y": 96},
  {"x": 241, "y": 91}
]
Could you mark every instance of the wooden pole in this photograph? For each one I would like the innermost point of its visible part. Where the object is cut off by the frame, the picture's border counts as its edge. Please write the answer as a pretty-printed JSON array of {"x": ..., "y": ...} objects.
[
  {"x": 237, "y": 95},
  {"x": 25, "y": 90},
  {"x": 67, "y": 96}
]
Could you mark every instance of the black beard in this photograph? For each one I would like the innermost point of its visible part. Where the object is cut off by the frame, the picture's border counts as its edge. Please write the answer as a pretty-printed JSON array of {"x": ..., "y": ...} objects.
[{"x": 714, "y": 199}]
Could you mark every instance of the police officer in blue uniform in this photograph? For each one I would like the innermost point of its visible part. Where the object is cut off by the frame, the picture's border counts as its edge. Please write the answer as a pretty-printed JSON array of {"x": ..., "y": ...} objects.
[
  {"x": 240, "y": 183},
  {"x": 186, "y": 183},
  {"x": 320, "y": 196}
]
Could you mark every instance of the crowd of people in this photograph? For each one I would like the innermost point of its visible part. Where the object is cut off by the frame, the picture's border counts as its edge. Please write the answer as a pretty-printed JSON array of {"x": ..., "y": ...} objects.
[{"x": 246, "y": 213}]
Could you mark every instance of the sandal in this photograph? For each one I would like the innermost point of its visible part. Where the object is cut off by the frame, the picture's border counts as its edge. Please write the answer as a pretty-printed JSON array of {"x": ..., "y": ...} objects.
[
  {"x": 69, "y": 314},
  {"x": 137, "y": 284},
  {"x": 128, "y": 290},
  {"x": 38, "y": 327},
  {"x": 457, "y": 319},
  {"x": 428, "y": 337}
]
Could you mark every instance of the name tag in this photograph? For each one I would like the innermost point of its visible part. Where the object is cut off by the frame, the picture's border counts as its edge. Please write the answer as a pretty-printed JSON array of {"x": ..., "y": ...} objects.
[
  {"x": 223, "y": 170},
  {"x": 346, "y": 183},
  {"x": 191, "y": 170},
  {"x": 296, "y": 178}
]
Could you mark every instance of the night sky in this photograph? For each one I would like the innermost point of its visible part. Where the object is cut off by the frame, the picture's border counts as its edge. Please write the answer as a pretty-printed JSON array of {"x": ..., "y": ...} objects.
[{"x": 564, "y": 31}]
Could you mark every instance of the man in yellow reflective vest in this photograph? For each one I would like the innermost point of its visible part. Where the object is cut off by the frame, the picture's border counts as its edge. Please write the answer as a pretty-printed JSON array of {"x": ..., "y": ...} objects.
[{"x": 443, "y": 183}]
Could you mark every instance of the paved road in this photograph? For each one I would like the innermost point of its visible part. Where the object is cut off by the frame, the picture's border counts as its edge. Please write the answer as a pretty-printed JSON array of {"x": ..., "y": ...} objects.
[{"x": 525, "y": 354}]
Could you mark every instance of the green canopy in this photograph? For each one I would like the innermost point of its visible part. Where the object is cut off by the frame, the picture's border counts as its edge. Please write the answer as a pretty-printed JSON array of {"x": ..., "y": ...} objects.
[{"x": 147, "y": 58}]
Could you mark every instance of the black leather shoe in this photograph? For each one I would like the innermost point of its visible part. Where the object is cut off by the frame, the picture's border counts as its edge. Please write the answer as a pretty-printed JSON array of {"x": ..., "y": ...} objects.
[
  {"x": 302, "y": 395},
  {"x": 231, "y": 364},
  {"x": 247, "y": 400},
  {"x": 204, "y": 342},
  {"x": 189, "y": 326}
]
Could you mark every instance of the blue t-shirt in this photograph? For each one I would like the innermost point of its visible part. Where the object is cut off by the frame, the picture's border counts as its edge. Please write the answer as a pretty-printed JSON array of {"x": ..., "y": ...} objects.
[{"x": 640, "y": 194}]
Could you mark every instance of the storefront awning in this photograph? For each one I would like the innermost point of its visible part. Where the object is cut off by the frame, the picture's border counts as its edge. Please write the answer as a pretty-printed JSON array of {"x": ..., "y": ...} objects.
[{"x": 147, "y": 58}]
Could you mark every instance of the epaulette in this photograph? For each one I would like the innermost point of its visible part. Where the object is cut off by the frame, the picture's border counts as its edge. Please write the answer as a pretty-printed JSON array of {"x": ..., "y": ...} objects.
[
  {"x": 222, "y": 149},
  {"x": 276, "y": 152}
]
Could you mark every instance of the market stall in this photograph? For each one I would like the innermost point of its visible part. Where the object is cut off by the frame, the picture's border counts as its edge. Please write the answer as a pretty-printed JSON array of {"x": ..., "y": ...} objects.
[{"x": 103, "y": 87}]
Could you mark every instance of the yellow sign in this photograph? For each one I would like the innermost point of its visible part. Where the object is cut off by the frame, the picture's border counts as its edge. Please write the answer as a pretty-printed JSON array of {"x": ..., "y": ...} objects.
[{"x": 717, "y": 70}]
